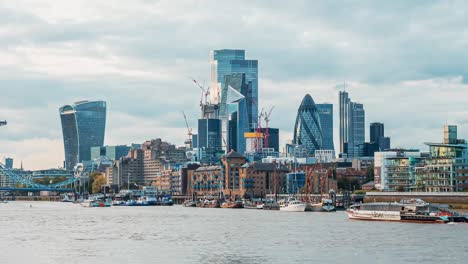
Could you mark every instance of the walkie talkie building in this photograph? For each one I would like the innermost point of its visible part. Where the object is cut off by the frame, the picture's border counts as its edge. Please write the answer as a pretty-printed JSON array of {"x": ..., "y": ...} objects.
[{"x": 83, "y": 127}]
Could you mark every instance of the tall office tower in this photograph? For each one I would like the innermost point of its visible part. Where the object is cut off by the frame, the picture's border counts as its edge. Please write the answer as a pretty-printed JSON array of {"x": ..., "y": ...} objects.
[
  {"x": 376, "y": 131},
  {"x": 326, "y": 122},
  {"x": 377, "y": 136},
  {"x": 344, "y": 118},
  {"x": 8, "y": 163},
  {"x": 237, "y": 123},
  {"x": 307, "y": 130},
  {"x": 226, "y": 62},
  {"x": 352, "y": 126},
  {"x": 83, "y": 127},
  {"x": 209, "y": 138}
]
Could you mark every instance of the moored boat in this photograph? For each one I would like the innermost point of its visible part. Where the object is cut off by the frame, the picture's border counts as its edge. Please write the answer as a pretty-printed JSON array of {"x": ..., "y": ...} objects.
[
  {"x": 328, "y": 206},
  {"x": 293, "y": 206},
  {"x": 405, "y": 211},
  {"x": 236, "y": 204},
  {"x": 190, "y": 203},
  {"x": 270, "y": 205}
]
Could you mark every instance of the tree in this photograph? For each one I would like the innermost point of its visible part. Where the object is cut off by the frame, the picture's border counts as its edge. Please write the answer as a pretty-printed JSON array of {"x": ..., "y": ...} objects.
[
  {"x": 97, "y": 181},
  {"x": 370, "y": 173}
]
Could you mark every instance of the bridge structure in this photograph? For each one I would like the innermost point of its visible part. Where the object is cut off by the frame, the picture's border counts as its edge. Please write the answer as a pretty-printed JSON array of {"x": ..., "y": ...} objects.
[{"x": 12, "y": 179}]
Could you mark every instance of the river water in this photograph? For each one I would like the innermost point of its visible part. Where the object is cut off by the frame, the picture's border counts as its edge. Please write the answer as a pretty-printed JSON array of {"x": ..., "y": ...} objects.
[{"x": 47, "y": 232}]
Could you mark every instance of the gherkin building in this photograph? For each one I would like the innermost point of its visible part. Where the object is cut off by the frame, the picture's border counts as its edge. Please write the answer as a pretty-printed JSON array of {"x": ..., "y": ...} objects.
[{"x": 307, "y": 131}]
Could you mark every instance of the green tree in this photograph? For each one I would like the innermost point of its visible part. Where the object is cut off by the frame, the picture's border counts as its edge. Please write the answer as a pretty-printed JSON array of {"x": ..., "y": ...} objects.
[
  {"x": 97, "y": 181},
  {"x": 370, "y": 173}
]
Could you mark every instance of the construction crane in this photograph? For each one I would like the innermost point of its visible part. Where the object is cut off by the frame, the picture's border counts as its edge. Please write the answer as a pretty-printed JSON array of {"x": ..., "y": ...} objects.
[
  {"x": 267, "y": 122},
  {"x": 258, "y": 143},
  {"x": 205, "y": 92},
  {"x": 188, "y": 142},
  {"x": 3, "y": 123}
]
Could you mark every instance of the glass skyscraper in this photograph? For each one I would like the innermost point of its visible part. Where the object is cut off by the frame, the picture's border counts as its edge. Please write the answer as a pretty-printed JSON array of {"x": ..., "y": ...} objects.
[
  {"x": 237, "y": 124},
  {"x": 352, "y": 126},
  {"x": 226, "y": 62},
  {"x": 326, "y": 121},
  {"x": 308, "y": 131},
  {"x": 83, "y": 127}
]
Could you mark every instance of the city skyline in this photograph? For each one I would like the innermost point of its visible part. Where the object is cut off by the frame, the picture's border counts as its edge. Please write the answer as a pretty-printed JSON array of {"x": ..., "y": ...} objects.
[{"x": 411, "y": 94}]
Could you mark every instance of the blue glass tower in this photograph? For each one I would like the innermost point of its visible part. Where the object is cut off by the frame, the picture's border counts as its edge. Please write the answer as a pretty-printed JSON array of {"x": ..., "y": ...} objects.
[
  {"x": 326, "y": 121},
  {"x": 83, "y": 127},
  {"x": 226, "y": 62},
  {"x": 308, "y": 131}
]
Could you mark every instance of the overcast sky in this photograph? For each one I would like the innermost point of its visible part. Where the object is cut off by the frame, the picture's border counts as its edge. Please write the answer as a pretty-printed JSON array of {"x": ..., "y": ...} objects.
[{"x": 405, "y": 60}]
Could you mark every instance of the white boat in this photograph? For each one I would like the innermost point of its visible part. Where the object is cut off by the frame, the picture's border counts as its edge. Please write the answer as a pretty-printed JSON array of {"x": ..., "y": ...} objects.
[
  {"x": 87, "y": 203},
  {"x": 293, "y": 206}
]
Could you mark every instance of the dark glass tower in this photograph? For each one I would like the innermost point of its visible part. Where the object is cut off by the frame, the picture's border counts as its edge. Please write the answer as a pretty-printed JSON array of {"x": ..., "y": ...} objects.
[
  {"x": 352, "y": 126},
  {"x": 307, "y": 131},
  {"x": 83, "y": 127},
  {"x": 376, "y": 131},
  {"x": 326, "y": 122}
]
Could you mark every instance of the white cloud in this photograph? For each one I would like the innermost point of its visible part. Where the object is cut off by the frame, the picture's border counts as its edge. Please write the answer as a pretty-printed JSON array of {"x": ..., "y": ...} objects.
[{"x": 408, "y": 70}]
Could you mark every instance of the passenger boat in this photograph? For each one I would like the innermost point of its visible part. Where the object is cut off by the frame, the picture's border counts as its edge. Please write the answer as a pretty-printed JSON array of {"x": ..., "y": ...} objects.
[
  {"x": 236, "y": 204},
  {"x": 404, "y": 211},
  {"x": 293, "y": 206}
]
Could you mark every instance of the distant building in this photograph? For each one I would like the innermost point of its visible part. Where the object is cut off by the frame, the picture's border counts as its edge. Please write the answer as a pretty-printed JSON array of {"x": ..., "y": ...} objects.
[
  {"x": 237, "y": 124},
  {"x": 450, "y": 134},
  {"x": 207, "y": 180},
  {"x": 352, "y": 126},
  {"x": 83, "y": 127},
  {"x": 232, "y": 162},
  {"x": 326, "y": 122},
  {"x": 209, "y": 139},
  {"x": 273, "y": 138},
  {"x": 325, "y": 156},
  {"x": 9, "y": 163},
  {"x": 111, "y": 152},
  {"x": 394, "y": 170},
  {"x": 307, "y": 130},
  {"x": 227, "y": 62},
  {"x": 377, "y": 137},
  {"x": 258, "y": 179},
  {"x": 295, "y": 181}
]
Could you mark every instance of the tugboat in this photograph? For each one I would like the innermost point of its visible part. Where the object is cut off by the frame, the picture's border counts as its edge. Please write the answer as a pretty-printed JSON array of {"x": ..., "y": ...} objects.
[{"x": 405, "y": 211}]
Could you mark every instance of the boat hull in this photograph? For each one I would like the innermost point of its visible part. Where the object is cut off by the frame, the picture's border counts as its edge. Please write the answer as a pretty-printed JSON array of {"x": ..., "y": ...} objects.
[
  {"x": 394, "y": 216},
  {"x": 293, "y": 208}
]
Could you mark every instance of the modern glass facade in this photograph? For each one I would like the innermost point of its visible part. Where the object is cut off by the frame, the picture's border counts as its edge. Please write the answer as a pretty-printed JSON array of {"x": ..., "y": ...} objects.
[
  {"x": 111, "y": 152},
  {"x": 352, "y": 126},
  {"x": 209, "y": 137},
  {"x": 237, "y": 124},
  {"x": 308, "y": 131},
  {"x": 227, "y": 62},
  {"x": 83, "y": 127},
  {"x": 326, "y": 121}
]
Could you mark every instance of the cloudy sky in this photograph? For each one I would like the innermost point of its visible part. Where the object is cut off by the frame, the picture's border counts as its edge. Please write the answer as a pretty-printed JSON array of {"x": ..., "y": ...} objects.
[{"x": 405, "y": 60}]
